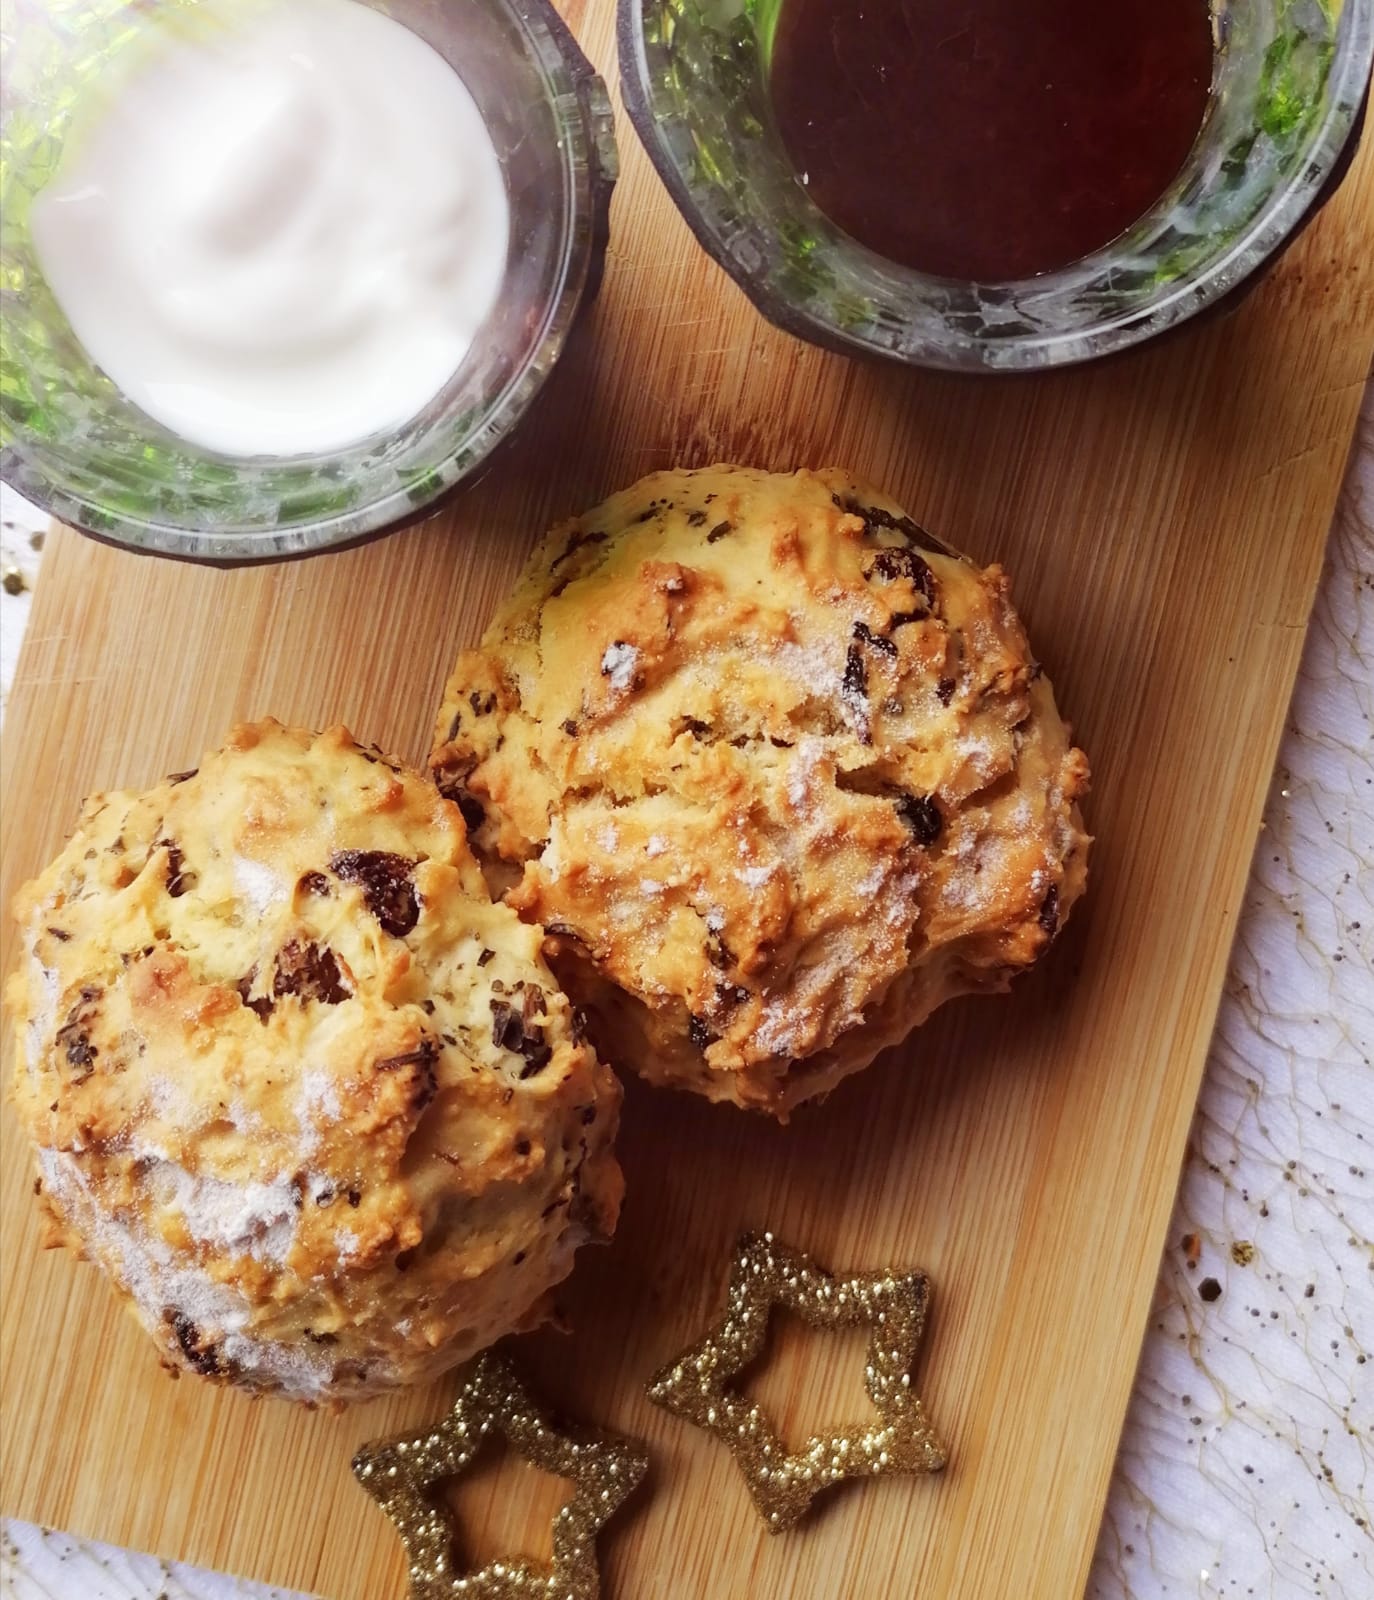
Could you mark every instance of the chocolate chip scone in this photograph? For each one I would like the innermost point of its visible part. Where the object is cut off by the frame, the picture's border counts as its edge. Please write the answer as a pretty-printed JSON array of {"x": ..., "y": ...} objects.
[
  {"x": 775, "y": 768},
  {"x": 312, "y": 1100}
]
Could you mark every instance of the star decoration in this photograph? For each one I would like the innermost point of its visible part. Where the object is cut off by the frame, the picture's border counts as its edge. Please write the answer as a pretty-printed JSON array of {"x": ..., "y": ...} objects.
[
  {"x": 696, "y": 1385},
  {"x": 493, "y": 1399}
]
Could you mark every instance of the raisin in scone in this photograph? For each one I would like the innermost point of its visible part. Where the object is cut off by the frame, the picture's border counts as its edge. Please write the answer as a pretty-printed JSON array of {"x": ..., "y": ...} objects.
[
  {"x": 312, "y": 1100},
  {"x": 776, "y": 769}
]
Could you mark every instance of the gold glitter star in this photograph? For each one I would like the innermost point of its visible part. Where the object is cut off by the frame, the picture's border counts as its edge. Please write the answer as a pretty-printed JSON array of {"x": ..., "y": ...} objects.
[
  {"x": 398, "y": 1472},
  {"x": 764, "y": 1274}
]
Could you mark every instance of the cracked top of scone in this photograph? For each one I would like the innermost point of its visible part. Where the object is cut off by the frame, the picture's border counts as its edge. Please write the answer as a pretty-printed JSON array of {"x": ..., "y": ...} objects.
[
  {"x": 775, "y": 768},
  {"x": 313, "y": 1101}
]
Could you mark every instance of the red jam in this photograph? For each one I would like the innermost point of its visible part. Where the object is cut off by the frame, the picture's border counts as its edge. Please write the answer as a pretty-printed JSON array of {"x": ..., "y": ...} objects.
[{"x": 989, "y": 139}]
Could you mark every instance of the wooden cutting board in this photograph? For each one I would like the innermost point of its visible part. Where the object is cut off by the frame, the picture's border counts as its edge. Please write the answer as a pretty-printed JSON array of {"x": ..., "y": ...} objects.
[{"x": 1163, "y": 518}]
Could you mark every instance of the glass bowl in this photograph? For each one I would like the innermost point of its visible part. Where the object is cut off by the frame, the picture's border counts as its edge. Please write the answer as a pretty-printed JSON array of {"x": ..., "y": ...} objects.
[
  {"x": 1289, "y": 84},
  {"x": 70, "y": 441}
]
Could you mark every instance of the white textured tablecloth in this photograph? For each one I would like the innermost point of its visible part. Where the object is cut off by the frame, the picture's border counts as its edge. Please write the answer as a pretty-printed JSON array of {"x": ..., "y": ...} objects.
[{"x": 1245, "y": 1465}]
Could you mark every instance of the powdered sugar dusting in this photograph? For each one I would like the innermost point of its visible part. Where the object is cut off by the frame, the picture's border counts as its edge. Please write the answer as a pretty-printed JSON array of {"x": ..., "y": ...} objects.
[
  {"x": 298, "y": 1373},
  {"x": 552, "y": 859},
  {"x": 902, "y": 905},
  {"x": 977, "y": 868},
  {"x": 246, "y": 1120},
  {"x": 873, "y": 881},
  {"x": 143, "y": 1264},
  {"x": 170, "y": 1101},
  {"x": 985, "y": 758},
  {"x": 256, "y": 1219},
  {"x": 811, "y": 666},
  {"x": 778, "y": 1032},
  {"x": 808, "y": 761},
  {"x": 855, "y": 704},
  {"x": 816, "y": 669},
  {"x": 756, "y": 877},
  {"x": 44, "y": 1019},
  {"x": 619, "y": 663},
  {"x": 257, "y": 884},
  {"x": 826, "y": 996},
  {"x": 657, "y": 845},
  {"x": 159, "y": 1285},
  {"x": 317, "y": 1101}
]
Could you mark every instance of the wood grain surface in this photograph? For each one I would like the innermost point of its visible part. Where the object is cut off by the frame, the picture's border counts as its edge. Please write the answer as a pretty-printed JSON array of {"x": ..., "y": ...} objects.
[{"x": 1163, "y": 518}]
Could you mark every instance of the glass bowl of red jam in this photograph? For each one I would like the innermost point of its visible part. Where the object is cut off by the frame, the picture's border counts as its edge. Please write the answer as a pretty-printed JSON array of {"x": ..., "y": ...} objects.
[
  {"x": 1000, "y": 185},
  {"x": 74, "y": 444}
]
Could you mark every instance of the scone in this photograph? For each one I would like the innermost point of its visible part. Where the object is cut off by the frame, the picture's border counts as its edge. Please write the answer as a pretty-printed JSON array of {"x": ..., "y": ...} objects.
[
  {"x": 312, "y": 1100},
  {"x": 777, "y": 770}
]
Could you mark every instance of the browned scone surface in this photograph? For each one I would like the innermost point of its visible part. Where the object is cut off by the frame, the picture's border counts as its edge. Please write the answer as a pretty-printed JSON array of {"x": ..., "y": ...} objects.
[
  {"x": 312, "y": 1100},
  {"x": 775, "y": 768}
]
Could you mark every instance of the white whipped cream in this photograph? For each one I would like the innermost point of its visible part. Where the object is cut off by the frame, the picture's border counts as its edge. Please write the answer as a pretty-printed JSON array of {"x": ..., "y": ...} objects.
[{"x": 279, "y": 228}]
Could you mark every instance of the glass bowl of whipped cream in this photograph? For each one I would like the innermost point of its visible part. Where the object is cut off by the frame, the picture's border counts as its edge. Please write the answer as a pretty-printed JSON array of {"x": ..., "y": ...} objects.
[{"x": 276, "y": 274}]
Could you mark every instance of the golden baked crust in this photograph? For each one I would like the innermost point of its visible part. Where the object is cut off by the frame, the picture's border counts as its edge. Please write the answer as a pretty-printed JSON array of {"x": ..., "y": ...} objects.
[
  {"x": 311, "y": 1099},
  {"x": 775, "y": 768}
]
